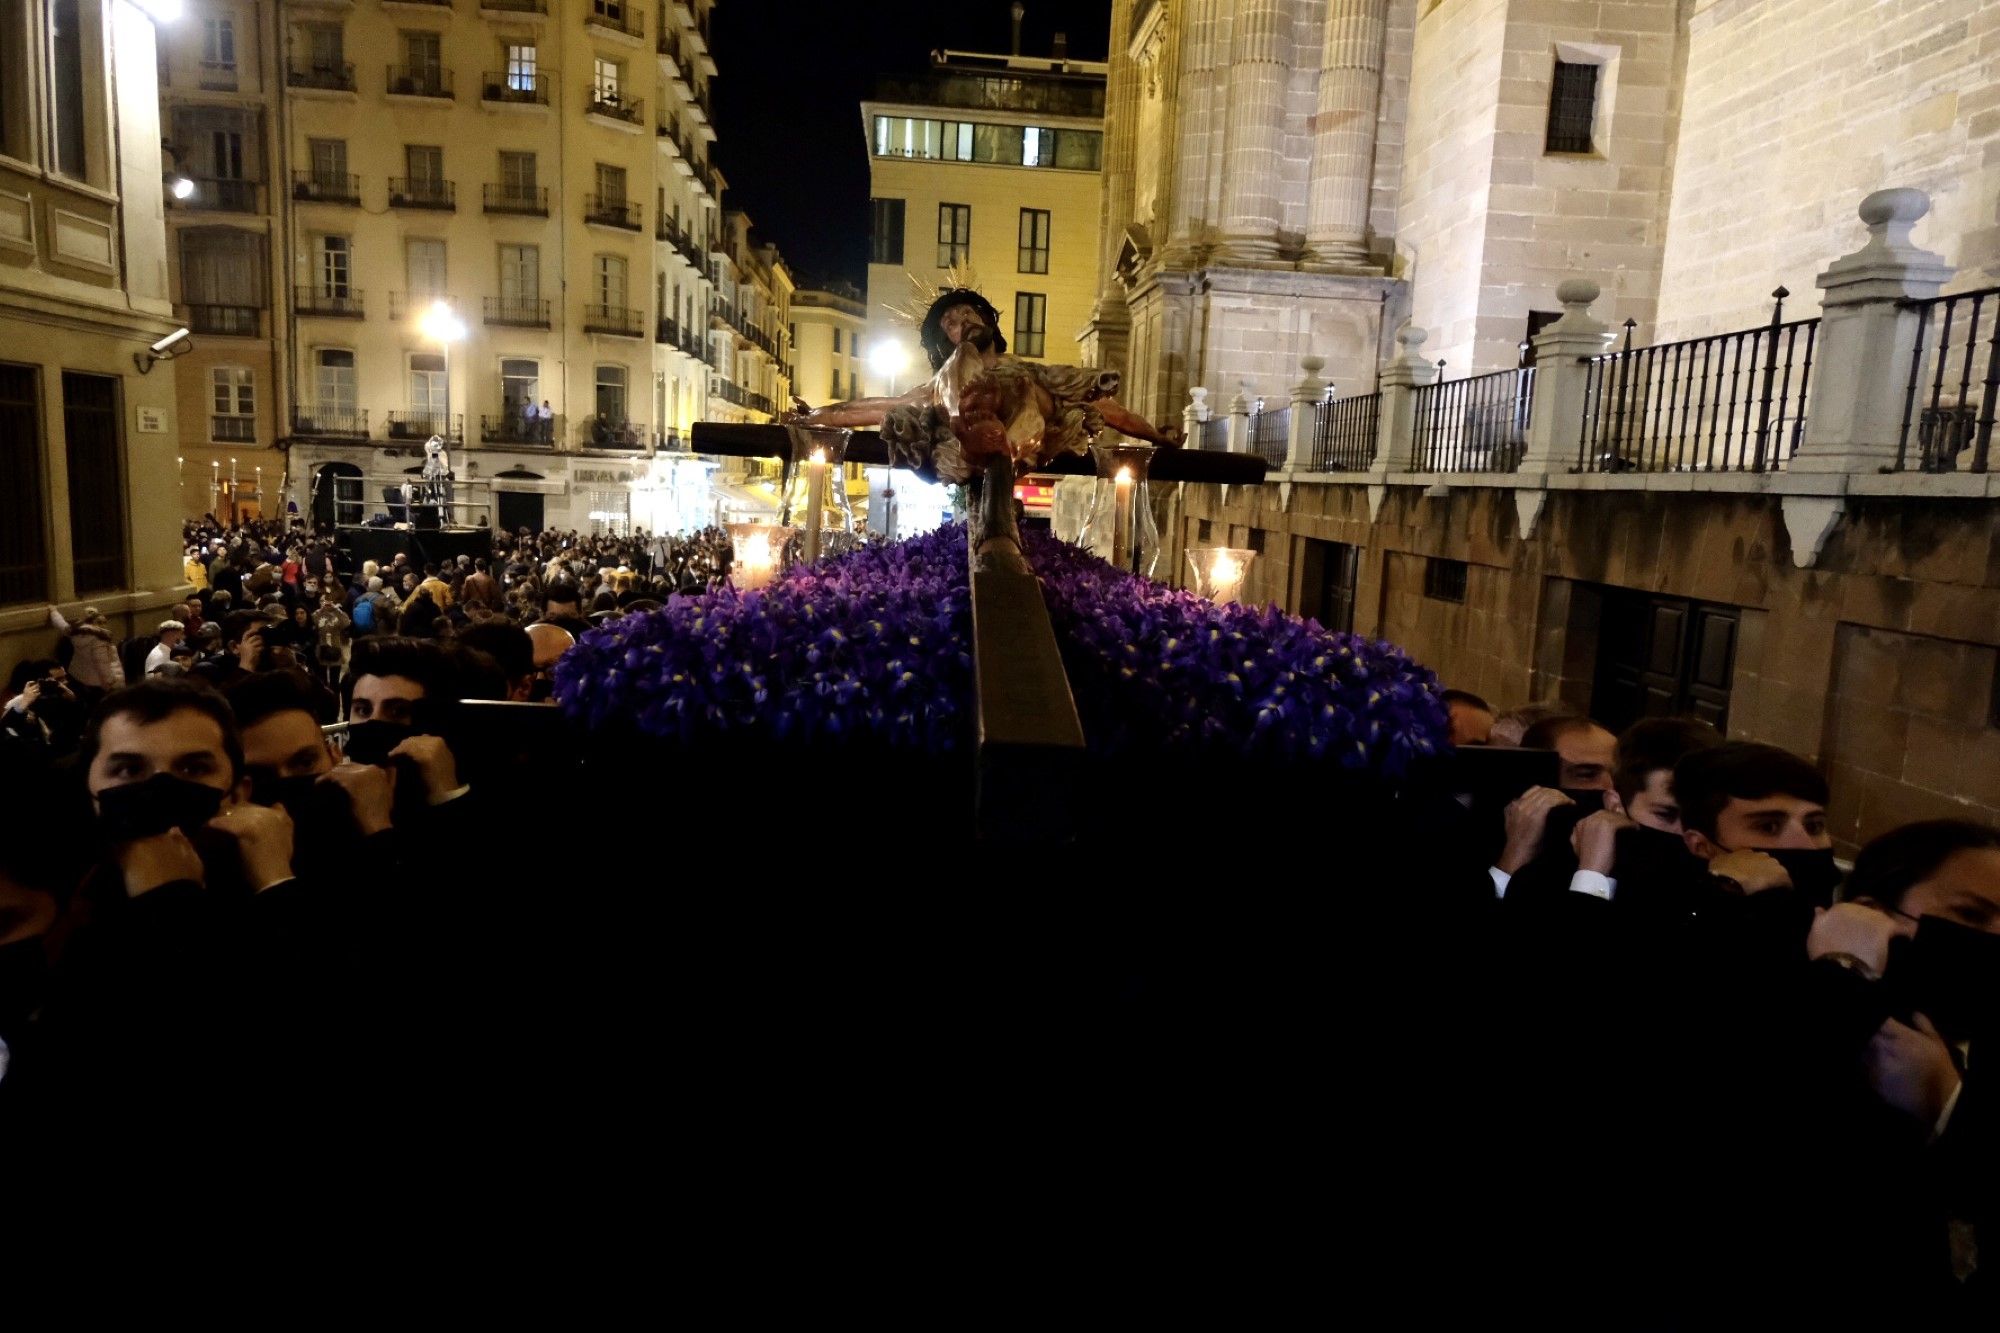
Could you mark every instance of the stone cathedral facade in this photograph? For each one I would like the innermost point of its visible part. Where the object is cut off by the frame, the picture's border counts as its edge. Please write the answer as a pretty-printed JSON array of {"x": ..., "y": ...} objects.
[{"x": 1300, "y": 177}]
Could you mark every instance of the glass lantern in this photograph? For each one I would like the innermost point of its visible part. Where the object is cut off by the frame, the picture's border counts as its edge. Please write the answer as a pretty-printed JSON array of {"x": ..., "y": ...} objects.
[
  {"x": 757, "y": 554},
  {"x": 816, "y": 490},
  {"x": 1220, "y": 572},
  {"x": 1120, "y": 525}
]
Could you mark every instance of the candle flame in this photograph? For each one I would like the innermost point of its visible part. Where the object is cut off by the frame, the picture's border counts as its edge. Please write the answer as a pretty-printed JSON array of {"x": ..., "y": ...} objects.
[
  {"x": 1124, "y": 476},
  {"x": 819, "y": 455},
  {"x": 1226, "y": 569},
  {"x": 757, "y": 550}
]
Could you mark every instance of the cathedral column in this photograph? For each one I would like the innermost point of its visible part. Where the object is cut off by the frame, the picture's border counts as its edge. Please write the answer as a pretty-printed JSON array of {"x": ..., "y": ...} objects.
[
  {"x": 1343, "y": 143},
  {"x": 1253, "y": 148},
  {"x": 1105, "y": 337},
  {"x": 1188, "y": 149}
]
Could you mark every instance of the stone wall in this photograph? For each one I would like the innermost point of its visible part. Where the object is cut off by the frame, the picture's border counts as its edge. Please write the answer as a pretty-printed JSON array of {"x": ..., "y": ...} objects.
[
  {"x": 1878, "y": 662},
  {"x": 1489, "y": 221},
  {"x": 1794, "y": 109}
]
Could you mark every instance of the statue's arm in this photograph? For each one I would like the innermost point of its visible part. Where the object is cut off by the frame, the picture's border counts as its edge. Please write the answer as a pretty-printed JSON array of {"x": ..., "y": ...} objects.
[
  {"x": 1127, "y": 422},
  {"x": 863, "y": 411}
]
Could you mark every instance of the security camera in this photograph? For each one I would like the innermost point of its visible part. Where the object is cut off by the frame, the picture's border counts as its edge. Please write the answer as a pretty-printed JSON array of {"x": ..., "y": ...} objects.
[{"x": 174, "y": 344}]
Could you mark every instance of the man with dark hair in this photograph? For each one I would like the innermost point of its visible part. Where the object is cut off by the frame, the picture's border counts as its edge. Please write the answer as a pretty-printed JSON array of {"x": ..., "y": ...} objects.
[
  {"x": 289, "y": 763},
  {"x": 1757, "y": 815},
  {"x": 563, "y": 607},
  {"x": 1947, "y": 868},
  {"x": 1647, "y": 754},
  {"x": 242, "y": 650},
  {"x": 395, "y": 692},
  {"x": 1587, "y": 751},
  {"x": 1471, "y": 717},
  {"x": 511, "y": 649}
]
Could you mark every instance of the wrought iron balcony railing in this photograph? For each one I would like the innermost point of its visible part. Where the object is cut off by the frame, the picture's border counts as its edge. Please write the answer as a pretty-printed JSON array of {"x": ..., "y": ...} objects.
[
  {"x": 621, "y": 320},
  {"x": 326, "y": 187},
  {"x": 344, "y": 302},
  {"x": 419, "y": 81},
  {"x": 521, "y": 312},
  {"x": 422, "y": 192},
  {"x": 519, "y": 89},
  {"x": 526, "y": 200}
]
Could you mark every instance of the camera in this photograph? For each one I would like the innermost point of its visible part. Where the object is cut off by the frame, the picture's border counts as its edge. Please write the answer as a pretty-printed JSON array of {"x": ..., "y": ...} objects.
[{"x": 169, "y": 345}]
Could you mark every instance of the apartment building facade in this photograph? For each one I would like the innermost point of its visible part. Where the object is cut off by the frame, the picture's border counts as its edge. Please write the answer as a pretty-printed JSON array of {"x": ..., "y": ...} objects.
[
  {"x": 497, "y": 222},
  {"x": 87, "y": 408}
]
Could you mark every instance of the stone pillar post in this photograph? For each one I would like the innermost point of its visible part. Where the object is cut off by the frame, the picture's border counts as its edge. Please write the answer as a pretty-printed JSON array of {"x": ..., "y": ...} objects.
[
  {"x": 1868, "y": 340},
  {"x": 1561, "y": 381},
  {"x": 1239, "y": 420},
  {"x": 1343, "y": 146},
  {"x": 1306, "y": 396},
  {"x": 1197, "y": 112},
  {"x": 1106, "y": 338},
  {"x": 1253, "y": 144},
  {"x": 1192, "y": 417},
  {"x": 1397, "y": 416}
]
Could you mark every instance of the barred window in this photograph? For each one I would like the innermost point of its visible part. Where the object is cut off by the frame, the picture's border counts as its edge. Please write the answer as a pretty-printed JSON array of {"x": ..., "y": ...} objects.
[
  {"x": 1444, "y": 580},
  {"x": 1034, "y": 240},
  {"x": 954, "y": 234},
  {"x": 1031, "y": 313},
  {"x": 885, "y": 233},
  {"x": 1572, "y": 108}
]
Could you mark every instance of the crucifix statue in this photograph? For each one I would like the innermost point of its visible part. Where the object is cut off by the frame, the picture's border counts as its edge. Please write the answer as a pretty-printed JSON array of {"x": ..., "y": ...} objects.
[{"x": 984, "y": 414}]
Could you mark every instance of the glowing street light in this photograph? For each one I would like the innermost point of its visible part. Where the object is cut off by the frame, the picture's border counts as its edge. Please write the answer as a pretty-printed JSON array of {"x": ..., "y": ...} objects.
[
  {"x": 888, "y": 359},
  {"x": 181, "y": 186},
  {"x": 163, "y": 11},
  {"x": 441, "y": 324}
]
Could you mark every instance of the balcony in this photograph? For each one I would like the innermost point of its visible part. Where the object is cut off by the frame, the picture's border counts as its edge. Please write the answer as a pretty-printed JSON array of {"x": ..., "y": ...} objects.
[
  {"x": 514, "y": 8},
  {"x": 670, "y": 441},
  {"x": 507, "y": 89},
  {"x": 607, "y": 212},
  {"x": 1032, "y": 93},
  {"x": 512, "y": 429},
  {"x": 419, "y": 81},
  {"x": 402, "y": 305},
  {"x": 223, "y": 196},
  {"x": 615, "y": 106},
  {"x": 606, "y": 432},
  {"x": 331, "y": 423},
  {"x": 423, "y": 425},
  {"x": 229, "y": 321},
  {"x": 623, "y": 19},
  {"x": 218, "y": 76},
  {"x": 232, "y": 430},
  {"x": 668, "y": 333},
  {"x": 326, "y": 187},
  {"x": 518, "y": 312},
  {"x": 335, "y": 76},
  {"x": 341, "y": 303},
  {"x": 623, "y": 321},
  {"x": 522, "y": 200},
  {"x": 421, "y": 192}
]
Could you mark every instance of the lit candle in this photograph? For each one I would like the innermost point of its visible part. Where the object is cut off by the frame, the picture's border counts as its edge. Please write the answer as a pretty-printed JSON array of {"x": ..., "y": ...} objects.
[
  {"x": 815, "y": 501},
  {"x": 1121, "y": 519},
  {"x": 1220, "y": 573},
  {"x": 756, "y": 561}
]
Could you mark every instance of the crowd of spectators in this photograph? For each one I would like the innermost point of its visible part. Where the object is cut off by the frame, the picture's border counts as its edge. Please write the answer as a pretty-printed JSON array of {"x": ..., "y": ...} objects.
[{"x": 1596, "y": 1018}]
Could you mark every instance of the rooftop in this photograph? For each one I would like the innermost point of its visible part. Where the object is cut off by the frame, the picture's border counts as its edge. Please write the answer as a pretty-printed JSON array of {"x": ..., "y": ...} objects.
[{"x": 1037, "y": 85}]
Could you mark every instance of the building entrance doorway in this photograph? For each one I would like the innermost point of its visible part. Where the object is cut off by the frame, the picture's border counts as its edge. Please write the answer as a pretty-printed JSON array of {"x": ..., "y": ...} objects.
[{"x": 1663, "y": 657}]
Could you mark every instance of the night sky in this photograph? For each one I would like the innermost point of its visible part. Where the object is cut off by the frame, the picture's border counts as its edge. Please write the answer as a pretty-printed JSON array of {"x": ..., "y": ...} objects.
[{"x": 788, "y": 104}]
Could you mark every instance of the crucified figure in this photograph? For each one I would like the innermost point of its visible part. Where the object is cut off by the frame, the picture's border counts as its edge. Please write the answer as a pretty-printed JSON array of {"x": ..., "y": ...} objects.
[{"x": 982, "y": 404}]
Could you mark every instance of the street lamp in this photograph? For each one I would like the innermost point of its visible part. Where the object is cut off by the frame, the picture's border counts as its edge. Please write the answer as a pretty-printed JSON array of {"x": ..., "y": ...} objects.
[
  {"x": 888, "y": 358},
  {"x": 441, "y": 324}
]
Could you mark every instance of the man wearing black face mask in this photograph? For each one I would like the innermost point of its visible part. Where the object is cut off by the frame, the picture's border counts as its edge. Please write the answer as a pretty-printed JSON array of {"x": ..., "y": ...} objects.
[
  {"x": 289, "y": 764},
  {"x": 1757, "y": 815},
  {"x": 395, "y": 692}
]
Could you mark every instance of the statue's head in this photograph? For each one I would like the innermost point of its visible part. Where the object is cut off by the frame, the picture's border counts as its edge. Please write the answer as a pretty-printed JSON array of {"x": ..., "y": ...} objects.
[{"x": 958, "y": 316}]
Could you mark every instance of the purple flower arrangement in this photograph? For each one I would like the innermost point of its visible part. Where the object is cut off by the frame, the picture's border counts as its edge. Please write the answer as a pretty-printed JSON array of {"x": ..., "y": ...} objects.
[
  {"x": 1155, "y": 669},
  {"x": 876, "y": 646}
]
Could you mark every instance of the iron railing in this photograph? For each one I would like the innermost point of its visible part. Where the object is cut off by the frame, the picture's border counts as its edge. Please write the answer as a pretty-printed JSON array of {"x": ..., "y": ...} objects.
[
  {"x": 530, "y": 201},
  {"x": 1477, "y": 424},
  {"x": 1948, "y": 406},
  {"x": 1344, "y": 432},
  {"x": 423, "y": 425},
  {"x": 1270, "y": 434},
  {"x": 326, "y": 187},
  {"x": 621, "y": 320},
  {"x": 601, "y": 432},
  {"x": 610, "y": 212},
  {"x": 668, "y": 332},
  {"x": 522, "y": 89},
  {"x": 669, "y": 440},
  {"x": 218, "y": 76},
  {"x": 222, "y": 196},
  {"x": 329, "y": 75},
  {"x": 523, "y": 312},
  {"x": 604, "y": 102},
  {"x": 1048, "y": 93},
  {"x": 626, "y": 17},
  {"x": 1729, "y": 402},
  {"x": 422, "y": 192},
  {"x": 1215, "y": 434},
  {"x": 339, "y": 422},
  {"x": 419, "y": 81},
  {"x": 344, "y": 302},
  {"x": 515, "y": 429},
  {"x": 232, "y": 430},
  {"x": 240, "y": 321},
  {"x": 517, "y": 6}
]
